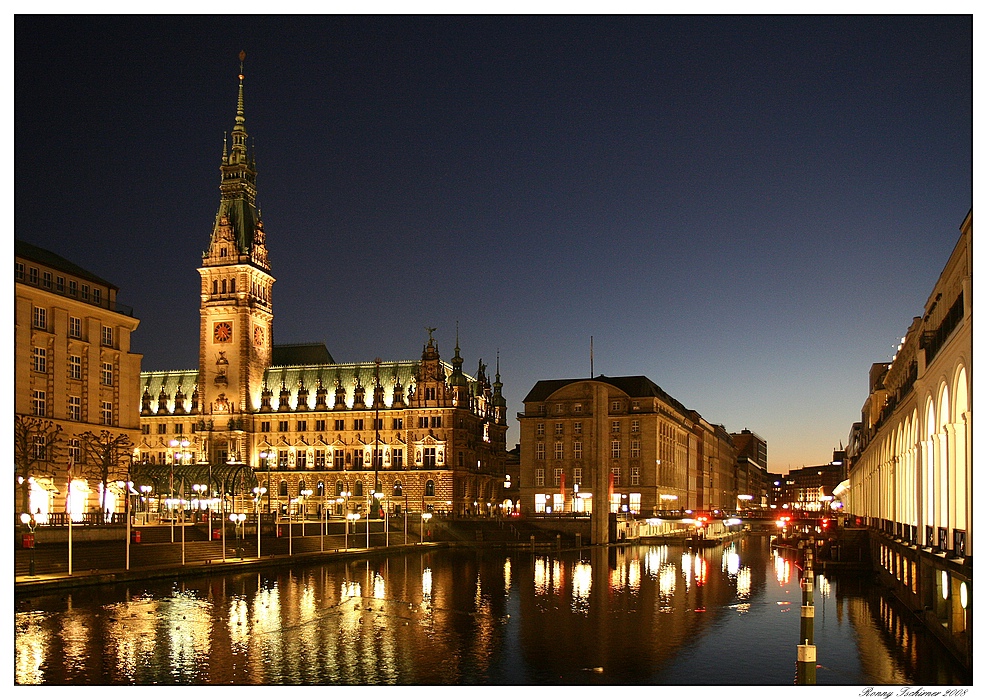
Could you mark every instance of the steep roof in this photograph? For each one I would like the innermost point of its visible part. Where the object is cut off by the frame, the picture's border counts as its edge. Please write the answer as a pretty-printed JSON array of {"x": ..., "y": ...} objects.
[{"x": 301, "y": 354}]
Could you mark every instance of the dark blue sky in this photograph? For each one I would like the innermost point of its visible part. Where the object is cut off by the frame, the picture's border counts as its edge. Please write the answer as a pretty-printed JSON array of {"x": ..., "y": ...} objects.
[{"x": 749, "y": 211}]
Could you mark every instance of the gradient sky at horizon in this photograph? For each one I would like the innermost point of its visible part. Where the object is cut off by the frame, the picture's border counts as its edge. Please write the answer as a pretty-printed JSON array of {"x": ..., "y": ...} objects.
[{"x": 747, "y": 210}]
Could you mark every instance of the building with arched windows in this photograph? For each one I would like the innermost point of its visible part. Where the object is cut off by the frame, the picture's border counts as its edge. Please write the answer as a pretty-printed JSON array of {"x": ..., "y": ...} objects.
[
  {"x": 317, "y": 435},
  {"x": 911, "y": 458}
]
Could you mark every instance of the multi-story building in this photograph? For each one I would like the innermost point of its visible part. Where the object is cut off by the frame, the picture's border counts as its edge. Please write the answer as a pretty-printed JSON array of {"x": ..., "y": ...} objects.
[
  {"x": 911, "y": 457},
  {"x": 74, "y": 374},
  {"x": 752, "y": 469},
  {"x": 289, "y": 419},
  {"x": 624, "y": 442}
]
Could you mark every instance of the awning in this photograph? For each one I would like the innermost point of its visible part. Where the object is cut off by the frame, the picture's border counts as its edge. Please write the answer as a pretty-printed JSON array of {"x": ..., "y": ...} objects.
[{"x": 229, "y": 477}]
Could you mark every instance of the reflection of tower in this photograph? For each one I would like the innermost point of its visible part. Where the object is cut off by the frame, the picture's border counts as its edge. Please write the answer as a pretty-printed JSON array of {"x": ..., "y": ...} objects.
[
  {"x": 600, "y": 518},
  {"x": 235, "y": 309}
]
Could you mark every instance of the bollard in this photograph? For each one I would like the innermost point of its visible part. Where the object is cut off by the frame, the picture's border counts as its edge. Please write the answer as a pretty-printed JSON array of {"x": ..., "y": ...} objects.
[
  {"x": 806, "y": 671},
  {"x": 807, "y": 622}
]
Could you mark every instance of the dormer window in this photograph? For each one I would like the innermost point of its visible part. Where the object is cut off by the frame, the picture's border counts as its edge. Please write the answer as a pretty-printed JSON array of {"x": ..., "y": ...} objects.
[{"x": 222, "y": 252}]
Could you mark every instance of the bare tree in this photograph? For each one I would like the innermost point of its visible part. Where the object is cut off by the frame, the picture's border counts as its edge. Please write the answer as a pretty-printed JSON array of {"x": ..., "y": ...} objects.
[
  {"x": 37, "y": 446},
  {"x": 108, "y": 458}
]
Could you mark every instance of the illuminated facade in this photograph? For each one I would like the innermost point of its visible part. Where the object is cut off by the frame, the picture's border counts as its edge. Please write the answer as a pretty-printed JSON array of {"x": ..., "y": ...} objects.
[
  {"x": 625, "y": 439},
  {"x": 72, "y": 366},
  {"x": 911, "y": 455},
  {"x": 290, "y": 419}
]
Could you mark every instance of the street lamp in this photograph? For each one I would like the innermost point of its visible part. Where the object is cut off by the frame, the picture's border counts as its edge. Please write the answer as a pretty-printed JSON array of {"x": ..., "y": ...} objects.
[
  {"x": 29, "y": 520},
  {"x": 377, "y": 499},
  {"x": 259, "y": 492},
  {"x": 237, "y": 520},
  {"x": 176, "y": 454},
  {"x": 146, "y": 490},
  {"x": 304, "y": 493},
  {"x": 350, "y": 517},
  {"x": 425, "y": 518}
]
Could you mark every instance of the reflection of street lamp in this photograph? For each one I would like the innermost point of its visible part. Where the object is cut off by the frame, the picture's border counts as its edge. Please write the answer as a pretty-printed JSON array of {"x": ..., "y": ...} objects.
[
  {"x": 29, "y": 520},
  {"x": 237, "y": 520},
  {"x": 425, "y": 518}
]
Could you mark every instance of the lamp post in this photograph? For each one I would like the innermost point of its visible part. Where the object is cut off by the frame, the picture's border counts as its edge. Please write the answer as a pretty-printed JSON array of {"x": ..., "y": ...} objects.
[
  {"x": 259, "y": 492},
  {"x": 146, "y": 491},
  {"x": 377, "y": 498},
  {"x": 267, "y": 456},
  {"x": 176, "y": 453},
  {"x": 237, "y": 520},
  {"x": 29, "y": 520},
  {"x": 350, "y": 517},
  {"x": 304, "y": 493},
  {"x": 425, "y": 518}
]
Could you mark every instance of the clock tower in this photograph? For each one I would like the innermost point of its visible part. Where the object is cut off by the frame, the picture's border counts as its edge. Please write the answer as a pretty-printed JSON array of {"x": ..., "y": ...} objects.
[{"x": 235, "y": 310}]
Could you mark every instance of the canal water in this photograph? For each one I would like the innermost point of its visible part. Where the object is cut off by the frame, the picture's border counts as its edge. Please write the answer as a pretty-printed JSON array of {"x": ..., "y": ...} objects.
[{"x": 723, "y": 616}]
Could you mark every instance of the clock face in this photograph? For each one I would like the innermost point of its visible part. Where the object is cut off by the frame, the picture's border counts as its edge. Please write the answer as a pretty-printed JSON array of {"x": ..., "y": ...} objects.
[
  {"x": 258, "y": 335},
  {"x": 222, "y": 332}
]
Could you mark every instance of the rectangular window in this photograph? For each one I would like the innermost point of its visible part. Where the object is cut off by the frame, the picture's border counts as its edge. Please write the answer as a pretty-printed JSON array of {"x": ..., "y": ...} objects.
[
  {"x": 19, "y": 270},
  {"x": 282, "y": 459},
  {"x": 75, "y": 327},
  {"x": 162, "y": 429},
  {"x": 397, "y": 457},
  {"x": 146, "y": 429},
  {"x": 577, "y": 428},
  {"x": 41, "y": 318},
  {"x": 615, "y": 449},
  {"x": 265, "y": 426},
  {"x": 635, "y": 405},
  {"x": 635, "y": 448},
  {"x": 558, "y": 476},
  {"x": 75, "y": 408},
  {"x": 539, "y": 429},
  {"x": 577, "y": 449},
  {"x": 539, "y": 477},
  {"x": 635, "y": 476},
  {"x": 635, "y": 502},
  {"x": 320, "y": 459},
  {"x": 302, "y": 426},
  {"x": 358, "y": 424},
  {"x": 39, "y": 359},
  {"x": 179, "y": 428},
  {"x": 59, "y": 284},
  {"x": 73, "y": 288},
  {"x": 97, "y": 295},
  {"x": 559, "y": 428},
  {"x": 301, "y": 460},
  {"x": 338, "y": 424},
  {"x": 337, "y": 459},
  {"x": 397, "y": 424},
  {"x": 540, "y": 450},
  {"x": 106, "y": 338},
  {"x": 106, "y": 374},
  {"x": 422, "y": 421},
  {"x": 75, "y": 450},
  {"x": 577, "y": 408},
  {"x": 378, "y": 423},
  {"x": 635, "y": 426},
  {"x": 39, "y": 404},
  {"x": 46, "y": 280},
  {"x": 320, "y": 425},
  {"x": 282, "y": 426},
  {"x": 615, "y": 426},
  {"x": 615, "y": 473},
  {"x": 577, "y": 475},
  {"x": 85, "y": 292},
  {"x": 436, "y": 421},
  {"x": 33, "y": 274},
  {"x": 106, "y": 413},
  {"x": 40, "y": 448},
  {"x": 558, "y": 450},
  {"x": 429, "y": 462}
]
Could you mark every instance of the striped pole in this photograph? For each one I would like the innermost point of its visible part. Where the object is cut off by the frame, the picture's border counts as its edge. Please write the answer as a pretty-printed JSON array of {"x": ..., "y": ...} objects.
[{"x": 806, "y": 670}]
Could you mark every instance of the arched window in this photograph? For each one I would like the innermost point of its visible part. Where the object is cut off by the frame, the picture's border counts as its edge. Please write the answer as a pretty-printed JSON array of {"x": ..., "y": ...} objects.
[
  {"x": 301, "y": 487},
  {"x": 320, "y": 489},
  {"x": 398, "y": 491},
  {"x": 214, "y": 286},
  {"x": 283, "y": 488},
  {"x": 429, "y": 488},
  {"x": 358, "y": 488},
  {"x": 339, "y": 488}
]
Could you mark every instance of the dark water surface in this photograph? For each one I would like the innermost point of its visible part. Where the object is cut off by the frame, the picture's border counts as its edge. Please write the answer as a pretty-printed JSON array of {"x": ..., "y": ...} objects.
[{"x": 639, "y": 615}]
